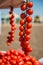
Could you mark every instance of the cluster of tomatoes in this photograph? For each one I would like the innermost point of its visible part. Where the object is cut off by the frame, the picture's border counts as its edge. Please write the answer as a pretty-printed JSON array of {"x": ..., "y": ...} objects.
[
  {"x": 13, "y": 57},
  {"x": 25, "y": 25},
  {"x": 13, "y": 27}
]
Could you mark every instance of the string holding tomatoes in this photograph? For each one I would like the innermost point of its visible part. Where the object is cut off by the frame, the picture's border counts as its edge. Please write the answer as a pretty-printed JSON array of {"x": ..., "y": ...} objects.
[{"x": 13, "y": 27}]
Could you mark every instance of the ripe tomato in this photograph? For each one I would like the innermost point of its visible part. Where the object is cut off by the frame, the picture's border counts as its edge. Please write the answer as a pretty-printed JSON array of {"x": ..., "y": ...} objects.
[
  {"x": 22, "y": 22},
  {"x": 27, "y": 37},
  {"x": 29, "y": 4},
  {"x": 21, "y": 33},
  {"x": 21, "y": 28},
  {"x": 33, "y": 60},
  {"x": 29, "y": 25},
  {"x": 28, "y": 31},
  {"x": 23, "y": 7},
  {"x": 12, "y": 24},
  {"x": 28, "y": 19},
  {"x": 13, "y": 28},
  {"x": 25, "y": 43},
  {"x": 11, "y": 33},
  {"x": 30, "y": 11},
  {"x": 36, "y": 63},
  {"x": 23, "y": 15},
  {"x": 28, "y": 48}
]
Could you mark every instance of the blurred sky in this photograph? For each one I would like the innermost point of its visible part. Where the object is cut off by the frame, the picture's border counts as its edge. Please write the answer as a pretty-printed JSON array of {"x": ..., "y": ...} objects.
[{"x": 38, "y": 9}]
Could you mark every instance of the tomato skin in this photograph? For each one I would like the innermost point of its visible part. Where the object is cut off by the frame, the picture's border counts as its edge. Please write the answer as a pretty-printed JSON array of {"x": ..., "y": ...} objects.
[
  {"x": 24, "y": 44},
  {"x": 29, "y": 25},
  {"x": 29, "y": 49},
  {"x": 11, "y": 33},
  {"x": 13, "y": 28},
  {"x": 28, "y": 31},
  {"x": 28, "y": 19},
  {"x": 29, "y": 11},
  {"x": 21, "y": 28},
  {"x": 22, "y": 22},
  {"x": 20, "y": 39},
  {"x": 23, "y": 7},
  {"x": 36, "y": 63},
  {"x": 23, "y": 15},
  {"x": 21, "y": 33},
  {"x": 27, "y": 37},
  {"x": 0, "y": 61},
  {"x": 30, "y": 4}
]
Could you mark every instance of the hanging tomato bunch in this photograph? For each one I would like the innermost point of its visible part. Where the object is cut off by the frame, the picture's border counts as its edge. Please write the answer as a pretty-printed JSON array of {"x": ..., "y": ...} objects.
[
  {"x": 25, "y": 25},
  {"x": 13, "y": 27}
]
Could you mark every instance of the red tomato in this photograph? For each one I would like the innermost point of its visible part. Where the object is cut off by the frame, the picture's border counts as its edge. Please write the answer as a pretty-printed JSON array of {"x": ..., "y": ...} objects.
[
  {"x": 8, "y": 53},
  {"x": 12, "y": 35},
  {"x": 12, "y": 38},
  {"x": 23, "y": 15},
  {"x": 29, "y": 25},
  {"x": 22, "y": 22},
  {"x": 33, "y": 60},
  {"x": 23, "y": 7},
  {"x": 27, "y": 37},
  {"x": 12, "y": 24},
  {"x": 28, "y": 31},
  {"x": 13, "y": 28},
  {"x": 28, "y": 19},
  {"x": 36, "y": 63},
  {"x": 0, "y": 61},
  {"x": 28, "y": 48},
  {"x": 25, "y": 43},
  {"x": 21, "y": 39},
  {"x": 12, "y": 51},
  {"x": 29, "y": 4},
  {"x": 12, "y": 32},
  {"x": 21, "y": 28},
  {"x": 21, "y": 33},
  {"x": 13, "y": 62},
  {"x": 30, "y": 11}
]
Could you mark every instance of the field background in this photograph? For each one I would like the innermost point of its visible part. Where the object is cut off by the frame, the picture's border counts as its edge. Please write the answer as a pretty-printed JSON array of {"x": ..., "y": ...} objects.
[{"x": 36, "y": 39}]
